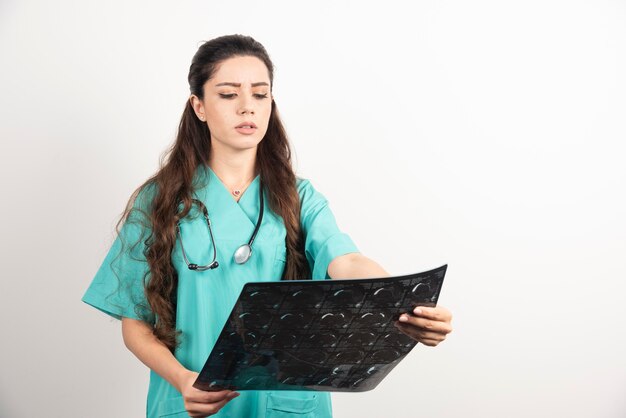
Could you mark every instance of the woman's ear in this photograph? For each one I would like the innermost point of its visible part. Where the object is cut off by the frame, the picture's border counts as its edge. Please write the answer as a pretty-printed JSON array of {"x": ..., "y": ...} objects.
[{"x": 197, "y": 106}]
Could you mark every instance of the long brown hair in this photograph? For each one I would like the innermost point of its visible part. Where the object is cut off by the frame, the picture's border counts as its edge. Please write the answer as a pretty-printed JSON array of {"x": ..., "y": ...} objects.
[{"x": 173, "y": 183}]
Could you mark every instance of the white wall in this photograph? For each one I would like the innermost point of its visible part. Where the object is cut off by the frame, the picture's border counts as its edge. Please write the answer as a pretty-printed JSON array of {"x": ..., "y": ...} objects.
[{"x": 486, "y": 134}]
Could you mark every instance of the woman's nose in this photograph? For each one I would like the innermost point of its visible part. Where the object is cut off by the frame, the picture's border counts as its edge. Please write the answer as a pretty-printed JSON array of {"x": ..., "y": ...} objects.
[{"x": 246, "y": 105}]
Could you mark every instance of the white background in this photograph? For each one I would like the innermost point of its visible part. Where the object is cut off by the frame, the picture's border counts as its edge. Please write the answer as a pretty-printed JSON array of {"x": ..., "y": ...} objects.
[{"x": 488, "y": 135}]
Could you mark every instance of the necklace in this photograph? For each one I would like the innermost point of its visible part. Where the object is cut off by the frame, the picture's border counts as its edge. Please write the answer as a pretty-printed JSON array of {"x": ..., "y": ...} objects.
[{"x": 238, "y": 190}]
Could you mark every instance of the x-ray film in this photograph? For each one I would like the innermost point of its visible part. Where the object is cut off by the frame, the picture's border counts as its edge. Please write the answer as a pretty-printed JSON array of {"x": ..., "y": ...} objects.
[{"x": 325, "y": 335}]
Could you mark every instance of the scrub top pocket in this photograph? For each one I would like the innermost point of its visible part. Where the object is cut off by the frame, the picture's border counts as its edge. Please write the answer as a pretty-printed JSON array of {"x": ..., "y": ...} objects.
[
  {"x": 286, "y": 405},
  {"x": 280, "y": 258},
  {"x": 172, "y": 407}
]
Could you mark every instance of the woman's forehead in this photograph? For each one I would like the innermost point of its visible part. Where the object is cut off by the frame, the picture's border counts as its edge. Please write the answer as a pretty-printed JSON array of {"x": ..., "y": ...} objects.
[{"x": 237, "y": 71}]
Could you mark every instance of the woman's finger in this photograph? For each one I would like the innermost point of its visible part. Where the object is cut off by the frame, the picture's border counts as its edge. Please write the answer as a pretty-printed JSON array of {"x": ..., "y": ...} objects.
[
  {"x": 425, "y": 337},
  {"x": 426, "y": 324},
  {"x": 425, "y": 334},
  {"x": 202, "y": 396},
  {"x": 430, "y": 343},
  {"x": 201, "y": 409},
  {"x": 437, "y": 313}
]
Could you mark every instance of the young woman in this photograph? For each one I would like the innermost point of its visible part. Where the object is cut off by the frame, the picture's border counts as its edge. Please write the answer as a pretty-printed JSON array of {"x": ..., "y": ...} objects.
[{"x": 225, "y": 208}]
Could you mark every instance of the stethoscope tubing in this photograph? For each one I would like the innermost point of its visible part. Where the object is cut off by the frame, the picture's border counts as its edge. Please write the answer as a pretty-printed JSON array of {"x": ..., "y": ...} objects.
[{"x": 242, "y": 254}]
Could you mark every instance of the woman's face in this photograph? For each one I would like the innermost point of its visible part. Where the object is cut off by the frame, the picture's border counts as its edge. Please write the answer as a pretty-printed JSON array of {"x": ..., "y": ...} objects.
[{"x": 239, "y": 92}]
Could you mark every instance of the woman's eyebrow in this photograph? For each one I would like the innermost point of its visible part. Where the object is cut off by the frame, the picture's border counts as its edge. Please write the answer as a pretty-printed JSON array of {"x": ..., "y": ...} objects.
[{"x": 260, "y": 83}]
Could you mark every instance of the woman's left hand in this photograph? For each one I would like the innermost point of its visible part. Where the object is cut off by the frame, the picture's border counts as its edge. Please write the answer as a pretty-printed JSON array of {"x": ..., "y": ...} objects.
[{"x": 428, "y": 326}]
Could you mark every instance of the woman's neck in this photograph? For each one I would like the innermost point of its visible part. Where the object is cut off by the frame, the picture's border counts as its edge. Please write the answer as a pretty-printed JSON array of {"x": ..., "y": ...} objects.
[{"x": 235, "y": 169}]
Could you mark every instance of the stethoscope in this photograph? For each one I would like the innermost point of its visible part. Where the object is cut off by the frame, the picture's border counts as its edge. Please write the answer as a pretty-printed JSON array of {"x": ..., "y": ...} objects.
[{"x": 242, "y": 254}]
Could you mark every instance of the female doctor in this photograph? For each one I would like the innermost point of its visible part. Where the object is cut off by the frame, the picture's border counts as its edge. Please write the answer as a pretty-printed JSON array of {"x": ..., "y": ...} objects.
[{"x": 225, "y": 208}]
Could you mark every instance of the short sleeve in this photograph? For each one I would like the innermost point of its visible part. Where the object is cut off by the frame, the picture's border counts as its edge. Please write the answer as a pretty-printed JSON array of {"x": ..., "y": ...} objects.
[
  {"x": 323, "y": 239},
  {"x": 118, "y": 286}
]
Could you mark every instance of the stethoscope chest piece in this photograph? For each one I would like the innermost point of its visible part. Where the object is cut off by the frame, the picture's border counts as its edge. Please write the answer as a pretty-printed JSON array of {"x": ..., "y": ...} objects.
[{"x": 243, "y": 253}]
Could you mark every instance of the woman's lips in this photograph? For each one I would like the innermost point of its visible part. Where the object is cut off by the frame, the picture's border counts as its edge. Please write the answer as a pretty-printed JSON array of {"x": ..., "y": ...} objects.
[{"x": 246, "y": 131}]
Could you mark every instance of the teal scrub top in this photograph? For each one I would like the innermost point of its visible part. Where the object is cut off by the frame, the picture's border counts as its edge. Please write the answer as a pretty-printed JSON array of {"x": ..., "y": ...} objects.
[{"x": 205, "y": 298}]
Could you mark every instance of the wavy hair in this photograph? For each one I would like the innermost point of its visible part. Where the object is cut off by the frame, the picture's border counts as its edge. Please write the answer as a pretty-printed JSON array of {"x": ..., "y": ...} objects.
[{"x": 173, "y": 183}]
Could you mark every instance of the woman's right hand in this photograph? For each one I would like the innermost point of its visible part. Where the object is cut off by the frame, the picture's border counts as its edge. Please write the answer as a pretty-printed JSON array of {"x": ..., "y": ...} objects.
[{"x": 201, "y": 403}]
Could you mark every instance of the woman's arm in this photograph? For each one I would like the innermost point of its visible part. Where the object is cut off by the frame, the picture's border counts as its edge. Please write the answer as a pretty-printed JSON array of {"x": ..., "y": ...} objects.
[
  {"x": 355, "y": 266},
  {"x": 140, "y": 340}
]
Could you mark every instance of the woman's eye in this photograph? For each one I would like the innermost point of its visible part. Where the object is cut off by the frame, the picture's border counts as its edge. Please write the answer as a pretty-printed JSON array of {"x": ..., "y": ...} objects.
[{"x": 230, "y": 96}]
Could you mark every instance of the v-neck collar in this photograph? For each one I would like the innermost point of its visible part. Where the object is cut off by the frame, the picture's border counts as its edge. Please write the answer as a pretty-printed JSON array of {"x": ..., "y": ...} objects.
[
  {"x": 253, "y": 185},
  {"x": 215, "y": 194}
]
